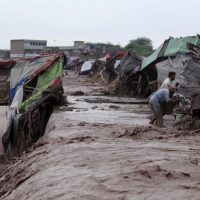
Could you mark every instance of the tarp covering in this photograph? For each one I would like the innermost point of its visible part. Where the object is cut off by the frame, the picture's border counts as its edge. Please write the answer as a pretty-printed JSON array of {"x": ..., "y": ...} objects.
[
  {"x": 35, "y": 87},
  {"x": 22, "y": 71},
  {"x": 128, "y": 71},
  {"x": 147, "y": 61},
  {"x": 171, "y": 47},
  {"x": 44, "y": 82},
  {"x": 87, "y": 65},
  {"x": 130, "y": 64},
  {"x": 7, "y": 63},
  {"x": 187, "y": 73}
]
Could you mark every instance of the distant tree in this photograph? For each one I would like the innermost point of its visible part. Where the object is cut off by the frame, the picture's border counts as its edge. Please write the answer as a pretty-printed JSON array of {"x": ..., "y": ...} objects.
[{"x": 141, "y": 45}]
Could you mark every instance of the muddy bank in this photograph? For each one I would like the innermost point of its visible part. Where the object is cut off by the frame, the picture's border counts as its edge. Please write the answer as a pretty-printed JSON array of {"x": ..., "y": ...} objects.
[
  {"x": 104, "y": 151},
  {"x": 3, "y": 110},
  {"x": 91, "y": 161}
]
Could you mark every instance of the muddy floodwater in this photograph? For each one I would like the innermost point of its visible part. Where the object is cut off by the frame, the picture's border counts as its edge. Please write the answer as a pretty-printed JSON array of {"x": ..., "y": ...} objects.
[{"x": 102, "y": 148}]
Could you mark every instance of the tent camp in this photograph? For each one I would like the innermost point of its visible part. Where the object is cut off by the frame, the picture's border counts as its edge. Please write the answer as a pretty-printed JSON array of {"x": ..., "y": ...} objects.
[
  {"x": 35, "y": 86},
  {"x": 174, "y": 55},
  {"x": 171, "y": 47}
]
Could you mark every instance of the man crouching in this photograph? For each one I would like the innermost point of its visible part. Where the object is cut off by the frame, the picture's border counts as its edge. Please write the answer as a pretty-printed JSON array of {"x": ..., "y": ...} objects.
[{"x": 158, "y": 102}]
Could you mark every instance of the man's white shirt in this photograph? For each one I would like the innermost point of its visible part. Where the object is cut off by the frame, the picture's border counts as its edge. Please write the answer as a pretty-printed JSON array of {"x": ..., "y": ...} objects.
[{"x": 166, "y": 83}]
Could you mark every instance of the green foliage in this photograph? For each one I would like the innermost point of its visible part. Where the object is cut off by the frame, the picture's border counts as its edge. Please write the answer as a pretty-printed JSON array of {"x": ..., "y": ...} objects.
[{"x": 141, "y": 45}]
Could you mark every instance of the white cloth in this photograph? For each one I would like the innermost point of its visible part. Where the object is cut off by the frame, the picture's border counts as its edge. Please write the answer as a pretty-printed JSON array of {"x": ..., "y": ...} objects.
[
  {"x": 87, "y": 65},
  {"x": 166, "y": 83}
]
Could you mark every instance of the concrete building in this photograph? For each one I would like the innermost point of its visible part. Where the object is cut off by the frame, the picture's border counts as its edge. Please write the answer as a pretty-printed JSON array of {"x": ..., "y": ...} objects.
[
  {"x": 26, "y": 48},
  {"x": 82, "y": 49},
  {"x": 68, "y": 50},
  {"x": 31, "y": 48},
  {"x": 77, "y": 49}
]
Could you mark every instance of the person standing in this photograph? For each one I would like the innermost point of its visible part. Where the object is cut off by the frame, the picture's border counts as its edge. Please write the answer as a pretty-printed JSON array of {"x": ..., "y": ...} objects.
[{"x": 169, "y": 82}]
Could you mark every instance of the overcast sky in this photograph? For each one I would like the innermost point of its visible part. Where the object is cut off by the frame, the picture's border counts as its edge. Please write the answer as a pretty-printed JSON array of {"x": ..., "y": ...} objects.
[{"x": 117, "y": 21}]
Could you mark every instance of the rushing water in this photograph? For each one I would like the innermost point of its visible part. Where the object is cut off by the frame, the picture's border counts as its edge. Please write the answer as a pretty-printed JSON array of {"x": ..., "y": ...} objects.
[{"x": 104, "y": 151}]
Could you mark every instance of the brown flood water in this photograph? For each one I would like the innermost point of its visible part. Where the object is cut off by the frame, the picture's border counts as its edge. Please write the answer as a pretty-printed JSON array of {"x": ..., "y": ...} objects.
[{"x": 93, "y": 150}]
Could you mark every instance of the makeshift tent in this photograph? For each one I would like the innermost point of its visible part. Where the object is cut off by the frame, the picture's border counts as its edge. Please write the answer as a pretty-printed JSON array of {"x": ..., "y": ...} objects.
[
  {"x": 171, "y": 47},
  {"x": 35, "y": 87},
  {"x": 130, "y": 64},
  {"x": 86, "y": 67},
  {"x": 108, "y": 73},
  {"x": 5, "y": 70},
  {"x": 180, "y": 55},
  {"x": 187, "y": 70},
  {"x": 128, "y": 78},
  {"x": 43, "y": 83}
]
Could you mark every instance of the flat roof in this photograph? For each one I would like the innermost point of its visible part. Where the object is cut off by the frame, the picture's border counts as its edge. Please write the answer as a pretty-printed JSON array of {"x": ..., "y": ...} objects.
[{"x": 29, "y": 40}]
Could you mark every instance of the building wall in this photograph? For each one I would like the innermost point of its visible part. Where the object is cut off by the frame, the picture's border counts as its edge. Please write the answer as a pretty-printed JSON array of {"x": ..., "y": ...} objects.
[
  {"x": 17, "y": 46},
  {"x": 26, "y": 48},
  {"x": 58, "y": 49},
  {"x": 35, "y": 44}
]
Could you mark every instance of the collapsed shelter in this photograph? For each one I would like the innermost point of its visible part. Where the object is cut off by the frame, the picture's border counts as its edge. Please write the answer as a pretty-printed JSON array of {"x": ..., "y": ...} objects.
[{"x": 35, "y": 86}]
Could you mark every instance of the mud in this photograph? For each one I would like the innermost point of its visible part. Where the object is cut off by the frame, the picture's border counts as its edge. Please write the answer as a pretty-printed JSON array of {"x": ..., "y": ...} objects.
[
  {"x": 105, "y": 151},
  {"x": 3, "y": 110}
]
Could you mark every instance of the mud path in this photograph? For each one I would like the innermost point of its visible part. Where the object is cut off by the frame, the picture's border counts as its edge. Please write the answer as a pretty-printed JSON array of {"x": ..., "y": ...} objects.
[{"x": 93, "y": 150}]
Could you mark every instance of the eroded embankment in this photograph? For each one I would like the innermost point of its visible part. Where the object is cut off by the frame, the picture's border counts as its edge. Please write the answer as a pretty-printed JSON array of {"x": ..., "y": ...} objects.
[{"x": 3, "y": 111}]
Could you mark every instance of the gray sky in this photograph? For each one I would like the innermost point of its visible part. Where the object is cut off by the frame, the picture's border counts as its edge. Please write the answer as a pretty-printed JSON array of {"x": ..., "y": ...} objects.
[{"x": 115, "y": 21}]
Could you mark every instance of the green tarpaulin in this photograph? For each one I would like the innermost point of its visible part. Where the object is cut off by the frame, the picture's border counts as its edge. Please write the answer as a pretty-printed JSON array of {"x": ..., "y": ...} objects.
[
  {"x": 43, "y": 83},
  {"x": 147, "y": 61},
  {"x": 171, "y": 47}
]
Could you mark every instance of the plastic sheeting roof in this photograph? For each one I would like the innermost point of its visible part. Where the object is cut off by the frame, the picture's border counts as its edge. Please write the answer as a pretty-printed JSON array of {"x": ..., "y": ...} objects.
[
  {"x": 23, "y": 70},
  {"x": 171, "y": 47},
  {"x": 87, "y": 65},
  {"x": 187, "y": 73},
  {"x": 7, "y": 63}
]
